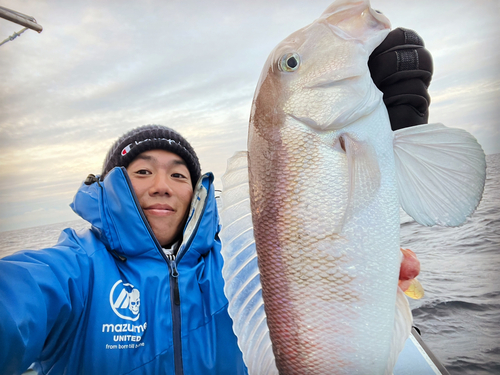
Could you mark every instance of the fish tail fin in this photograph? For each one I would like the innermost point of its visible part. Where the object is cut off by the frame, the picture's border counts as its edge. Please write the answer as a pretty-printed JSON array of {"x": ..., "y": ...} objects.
[{"x": 440, "y": 173}]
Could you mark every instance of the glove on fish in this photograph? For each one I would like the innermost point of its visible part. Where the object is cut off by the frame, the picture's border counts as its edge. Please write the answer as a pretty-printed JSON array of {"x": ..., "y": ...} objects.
[{"x": 401, "y": 67}]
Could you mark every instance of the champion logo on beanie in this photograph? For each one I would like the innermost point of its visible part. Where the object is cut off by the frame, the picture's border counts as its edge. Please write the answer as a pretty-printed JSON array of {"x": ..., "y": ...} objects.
[
  {"x": 151, "y": 137},
  {"x": 126, "y": 150}
]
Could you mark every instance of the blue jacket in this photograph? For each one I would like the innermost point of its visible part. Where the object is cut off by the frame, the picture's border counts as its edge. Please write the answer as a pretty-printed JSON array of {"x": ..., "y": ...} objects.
[{"x": 107, "y": 301}]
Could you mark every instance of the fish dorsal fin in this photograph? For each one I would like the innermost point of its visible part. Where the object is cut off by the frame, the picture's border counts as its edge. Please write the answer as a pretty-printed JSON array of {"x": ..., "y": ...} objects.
[
  {"x": 440, "y": 173},
  {"x": 241, "y": 272}
]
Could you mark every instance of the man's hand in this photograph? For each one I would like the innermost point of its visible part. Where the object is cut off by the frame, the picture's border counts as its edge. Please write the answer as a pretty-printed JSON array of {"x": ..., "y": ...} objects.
[
  {"x": 401, "y": 68},
  {"x": 410, "y": 268}
]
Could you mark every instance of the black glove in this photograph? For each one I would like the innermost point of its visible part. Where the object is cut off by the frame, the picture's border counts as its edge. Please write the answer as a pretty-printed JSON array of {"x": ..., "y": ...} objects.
[{"x": 401, "y": 68}]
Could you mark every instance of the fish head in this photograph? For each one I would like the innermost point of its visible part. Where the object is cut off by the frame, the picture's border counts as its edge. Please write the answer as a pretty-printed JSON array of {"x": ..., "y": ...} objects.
[{"x": 319, "y": 74}]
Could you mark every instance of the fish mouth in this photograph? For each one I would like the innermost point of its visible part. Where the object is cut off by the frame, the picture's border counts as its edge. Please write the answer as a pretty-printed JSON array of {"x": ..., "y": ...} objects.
[
  {"x": 338, "y": 15},
  {"x": 379, "y": 16}
]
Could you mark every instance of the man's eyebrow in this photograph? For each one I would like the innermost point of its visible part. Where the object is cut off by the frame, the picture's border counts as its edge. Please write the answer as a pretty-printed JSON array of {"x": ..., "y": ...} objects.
[
  {"x": 153, "y": 159},
  {"x": 180, "y": 162},
  {"x": 145, "y": 157}
]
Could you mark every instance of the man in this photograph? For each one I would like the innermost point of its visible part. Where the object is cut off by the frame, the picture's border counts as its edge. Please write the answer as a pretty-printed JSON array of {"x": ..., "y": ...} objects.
[{"x": 141, "y": 292}]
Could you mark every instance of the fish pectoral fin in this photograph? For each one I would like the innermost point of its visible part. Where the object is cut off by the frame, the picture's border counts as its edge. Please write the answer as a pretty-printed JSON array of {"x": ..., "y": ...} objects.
[
  {"x": 440, "y": 173},
  {"x": 241, "y": 271},
  {"x": 364, "y": 171}
]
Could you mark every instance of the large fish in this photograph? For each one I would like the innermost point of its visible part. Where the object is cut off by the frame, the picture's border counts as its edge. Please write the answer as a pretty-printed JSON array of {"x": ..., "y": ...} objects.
[{"x": 319, "y": 190}]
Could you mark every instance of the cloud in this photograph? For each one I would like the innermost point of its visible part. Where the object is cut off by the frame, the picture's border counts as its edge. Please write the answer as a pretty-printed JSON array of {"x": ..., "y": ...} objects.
[{"x": 99, "y": 69}]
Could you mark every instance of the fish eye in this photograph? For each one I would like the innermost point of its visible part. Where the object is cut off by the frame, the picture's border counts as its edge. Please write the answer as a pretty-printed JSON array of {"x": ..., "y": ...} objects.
[{"x": 289, "y": 62}]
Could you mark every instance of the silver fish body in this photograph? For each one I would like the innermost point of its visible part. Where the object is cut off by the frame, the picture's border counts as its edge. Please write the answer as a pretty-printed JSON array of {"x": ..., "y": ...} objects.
[
  {"x": 324, "y": 199},
  {"x": 328, "y": 257}
]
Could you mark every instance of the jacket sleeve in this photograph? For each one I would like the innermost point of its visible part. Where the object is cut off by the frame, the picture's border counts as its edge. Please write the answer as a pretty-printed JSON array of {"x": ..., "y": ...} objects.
[{"x": 42, "y": 296}]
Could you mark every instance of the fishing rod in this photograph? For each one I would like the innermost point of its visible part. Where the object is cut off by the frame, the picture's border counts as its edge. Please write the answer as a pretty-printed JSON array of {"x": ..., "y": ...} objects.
[{"x": 21, "y": 19}]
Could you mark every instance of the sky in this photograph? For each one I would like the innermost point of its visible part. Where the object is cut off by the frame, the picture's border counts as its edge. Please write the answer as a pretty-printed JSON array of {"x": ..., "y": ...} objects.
[{"x": 101, "y": 68}]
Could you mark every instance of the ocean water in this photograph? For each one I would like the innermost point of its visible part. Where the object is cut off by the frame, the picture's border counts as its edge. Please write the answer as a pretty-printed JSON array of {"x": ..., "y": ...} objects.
[{"x": 459, "y": 316}]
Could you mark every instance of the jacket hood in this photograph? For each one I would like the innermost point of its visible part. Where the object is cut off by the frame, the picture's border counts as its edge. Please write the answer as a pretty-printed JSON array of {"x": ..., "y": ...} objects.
[{"x": 117, "y": 219}]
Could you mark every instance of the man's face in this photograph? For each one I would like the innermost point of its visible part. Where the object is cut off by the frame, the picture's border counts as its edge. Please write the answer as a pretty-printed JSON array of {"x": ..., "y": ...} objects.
[{"x": 163, "y": 186}]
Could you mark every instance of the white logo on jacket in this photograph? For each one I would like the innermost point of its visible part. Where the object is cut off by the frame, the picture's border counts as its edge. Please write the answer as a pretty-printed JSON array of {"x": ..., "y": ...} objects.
[{"x": 125, "y": 301}]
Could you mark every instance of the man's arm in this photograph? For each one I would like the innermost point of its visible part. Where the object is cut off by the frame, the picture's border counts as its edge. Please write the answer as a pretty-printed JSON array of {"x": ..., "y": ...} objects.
[{"x": 40, "y": 296}]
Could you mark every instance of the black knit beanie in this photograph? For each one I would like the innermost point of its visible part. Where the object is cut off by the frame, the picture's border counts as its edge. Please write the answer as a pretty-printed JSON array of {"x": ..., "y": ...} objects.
[{"x": 151, "y": 137}]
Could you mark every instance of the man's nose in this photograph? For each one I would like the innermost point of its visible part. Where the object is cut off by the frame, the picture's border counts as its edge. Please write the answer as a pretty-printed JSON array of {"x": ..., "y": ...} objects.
[{"x": 161, "y": 185}]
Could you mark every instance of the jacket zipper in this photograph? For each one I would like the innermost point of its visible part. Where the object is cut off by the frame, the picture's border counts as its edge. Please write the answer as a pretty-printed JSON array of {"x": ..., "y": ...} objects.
[
  {"x": 175, "y": 300},
  {"x": 175, "y": 303}
]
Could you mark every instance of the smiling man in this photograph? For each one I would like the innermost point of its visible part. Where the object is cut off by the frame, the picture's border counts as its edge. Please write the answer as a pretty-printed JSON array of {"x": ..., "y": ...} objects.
[{"x": 141, "y": 291}]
